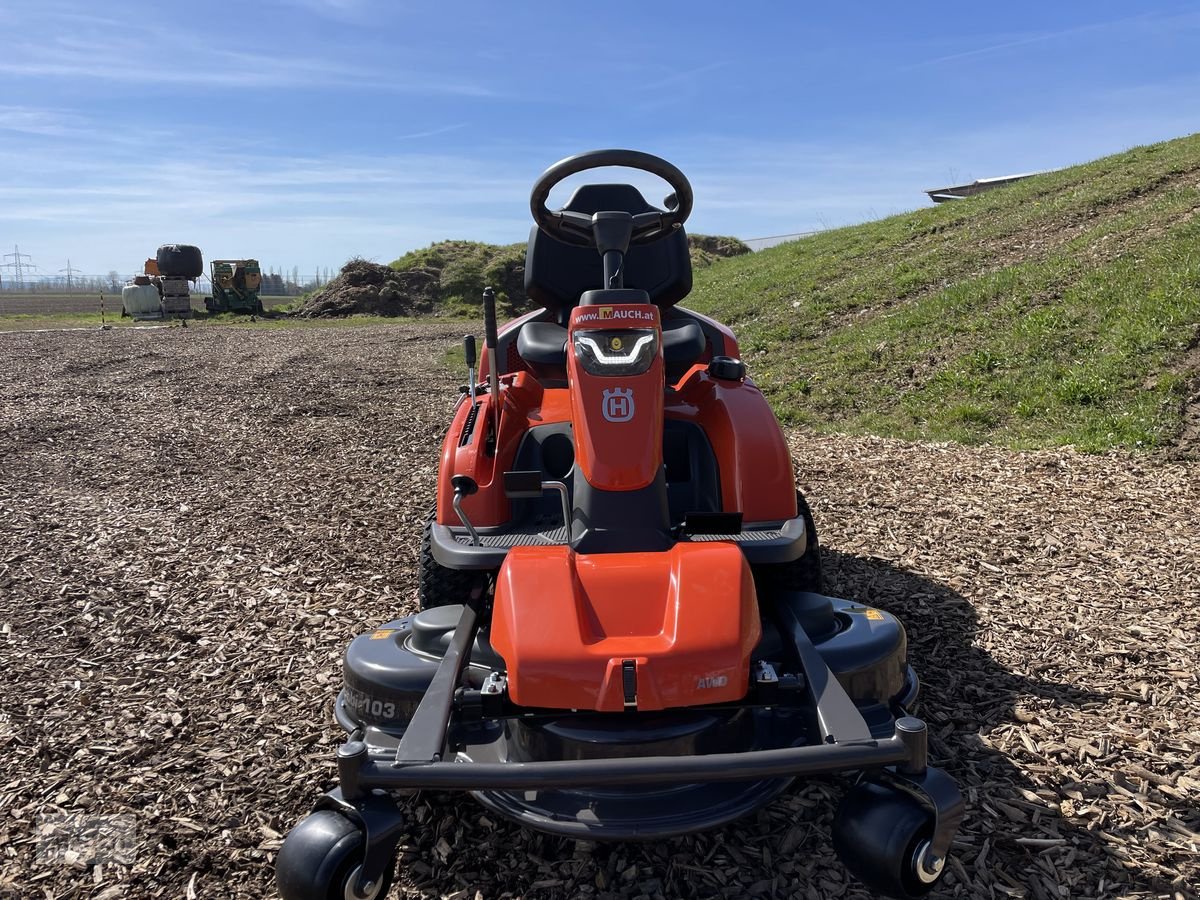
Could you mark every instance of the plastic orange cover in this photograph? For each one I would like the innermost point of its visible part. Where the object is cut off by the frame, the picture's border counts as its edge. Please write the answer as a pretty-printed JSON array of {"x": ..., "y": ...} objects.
[{"x": 566, "y": 622}]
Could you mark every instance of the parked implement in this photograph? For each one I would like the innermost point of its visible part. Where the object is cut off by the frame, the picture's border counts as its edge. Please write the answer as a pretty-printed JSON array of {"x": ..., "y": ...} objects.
[
  {"x": 623, "y": 631},
  {"x": 176, "y": 265},
  {"x": 235, "y": 286},
  {"x": 163, "y": 289},
  {"x": 140, "y": 299}
]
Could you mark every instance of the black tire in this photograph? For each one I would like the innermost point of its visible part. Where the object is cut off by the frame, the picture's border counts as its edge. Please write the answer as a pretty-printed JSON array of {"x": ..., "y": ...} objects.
[
  {"x": 878, "y": 834},
  {"x": 437, "y": 585},
  {"x": 181, "y": 260},
  {"x": 802, "y": 574},
  {"x": 320, "y": 856}
]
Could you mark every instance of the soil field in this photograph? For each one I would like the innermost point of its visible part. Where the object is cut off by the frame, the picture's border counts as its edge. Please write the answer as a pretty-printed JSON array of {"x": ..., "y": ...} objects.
[
  {"x": 38, "y": 304},
  {"x": 194, "y": 523}
]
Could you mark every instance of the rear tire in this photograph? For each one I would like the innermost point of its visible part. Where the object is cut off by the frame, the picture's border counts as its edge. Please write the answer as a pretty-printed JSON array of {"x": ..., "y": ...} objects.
[
  {"x": 804, "y": 573},
  {"x": 438, "y": 585}
]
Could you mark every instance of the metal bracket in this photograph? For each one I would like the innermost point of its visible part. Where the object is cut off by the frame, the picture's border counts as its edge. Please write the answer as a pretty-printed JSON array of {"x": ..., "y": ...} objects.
[
  {"x": 424, "y": 739},
  {"x": 766, "y": 673},
  {"x": 494, "y": 685},
  {"x": 838, "y": 719}
]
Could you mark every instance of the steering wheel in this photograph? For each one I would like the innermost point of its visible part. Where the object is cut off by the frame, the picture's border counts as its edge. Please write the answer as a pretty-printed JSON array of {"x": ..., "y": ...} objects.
[{"x": 576, "y": 228}]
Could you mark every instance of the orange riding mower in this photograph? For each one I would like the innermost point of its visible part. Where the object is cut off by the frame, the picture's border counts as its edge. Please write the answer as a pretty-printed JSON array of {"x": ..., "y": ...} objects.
[{"x": 623, "y": 632}]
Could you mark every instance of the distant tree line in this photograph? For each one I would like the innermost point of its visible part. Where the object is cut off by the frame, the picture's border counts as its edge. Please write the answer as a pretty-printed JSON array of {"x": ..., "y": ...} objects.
[{"x": 282, "y": 283}]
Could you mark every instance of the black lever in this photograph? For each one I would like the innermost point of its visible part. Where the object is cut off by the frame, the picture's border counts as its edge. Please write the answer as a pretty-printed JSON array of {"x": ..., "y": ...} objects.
[
  {"x": 469, "y": 353},
  {"x": 464, "y": 485},
  {"x": 490, "y": 340}
]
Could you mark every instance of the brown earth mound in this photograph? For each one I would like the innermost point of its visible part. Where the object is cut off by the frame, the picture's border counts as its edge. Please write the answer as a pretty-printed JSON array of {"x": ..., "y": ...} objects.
[
  {"x": 449, "y": 277},
  {"x": 707, "y": 248},
  {"x": 367, "y": 288}
]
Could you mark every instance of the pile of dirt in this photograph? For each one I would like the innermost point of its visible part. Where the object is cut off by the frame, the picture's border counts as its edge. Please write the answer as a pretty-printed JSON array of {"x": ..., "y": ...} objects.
[
  {"x": 706, "y": 249},
  {"x": 448, "y": 278},
  {"x": 367, "y": 288}
]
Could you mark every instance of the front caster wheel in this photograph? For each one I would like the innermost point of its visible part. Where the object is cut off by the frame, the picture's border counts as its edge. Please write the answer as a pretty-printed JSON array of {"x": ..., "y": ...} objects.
[
  {"x": 882, "y": 836},
  {"x": 320, "y": 860}
]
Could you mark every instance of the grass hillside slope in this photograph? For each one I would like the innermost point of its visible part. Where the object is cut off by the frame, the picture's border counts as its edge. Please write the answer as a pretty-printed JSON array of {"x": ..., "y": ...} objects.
[{"x": 1064, "y": 309}]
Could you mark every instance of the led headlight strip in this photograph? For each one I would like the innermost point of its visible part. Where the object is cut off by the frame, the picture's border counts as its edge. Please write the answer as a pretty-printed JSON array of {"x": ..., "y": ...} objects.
[{"x": 615, "y": 359}]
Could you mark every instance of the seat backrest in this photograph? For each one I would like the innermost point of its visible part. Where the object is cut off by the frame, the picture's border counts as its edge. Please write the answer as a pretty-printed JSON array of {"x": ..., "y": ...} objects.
[{"x": 556, "y": 274}]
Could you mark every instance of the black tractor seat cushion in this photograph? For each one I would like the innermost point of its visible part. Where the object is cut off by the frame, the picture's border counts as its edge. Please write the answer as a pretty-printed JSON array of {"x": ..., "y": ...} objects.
[
  {"x": 545, "y": 344},
  {"x": 683, "y": 342}
]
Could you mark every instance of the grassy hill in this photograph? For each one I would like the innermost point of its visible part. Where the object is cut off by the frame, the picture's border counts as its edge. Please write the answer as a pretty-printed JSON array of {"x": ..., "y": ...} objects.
[{"x": 1062, "y": 309}]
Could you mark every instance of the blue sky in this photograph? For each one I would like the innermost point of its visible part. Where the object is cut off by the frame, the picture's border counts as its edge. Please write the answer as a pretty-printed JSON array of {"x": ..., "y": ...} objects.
[{"x": 303, "y": 132}]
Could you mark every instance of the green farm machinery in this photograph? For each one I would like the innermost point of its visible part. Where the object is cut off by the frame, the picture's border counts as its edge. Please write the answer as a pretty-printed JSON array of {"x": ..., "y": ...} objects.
[{"x": 235, "y": 286}]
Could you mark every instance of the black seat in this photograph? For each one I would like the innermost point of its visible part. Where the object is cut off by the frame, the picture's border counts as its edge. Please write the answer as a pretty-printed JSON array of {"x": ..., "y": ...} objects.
[
  {"x": 683, "y": 342},
  {"x": 543, "y": 344},
  {"x": 557, "y": 274}
]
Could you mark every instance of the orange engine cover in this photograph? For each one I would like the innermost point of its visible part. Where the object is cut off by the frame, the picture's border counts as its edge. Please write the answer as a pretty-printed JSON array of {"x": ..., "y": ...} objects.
[{"x": 566, "y": 624}]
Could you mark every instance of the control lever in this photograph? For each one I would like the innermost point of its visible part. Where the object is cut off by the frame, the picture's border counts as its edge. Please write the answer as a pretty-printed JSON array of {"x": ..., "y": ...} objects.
[
  {"x": 464, "y": 486},
  {"x": 489, "y": 341},
  {"x": 529, "y": 486},
  {"x": 469, "y": 353}
]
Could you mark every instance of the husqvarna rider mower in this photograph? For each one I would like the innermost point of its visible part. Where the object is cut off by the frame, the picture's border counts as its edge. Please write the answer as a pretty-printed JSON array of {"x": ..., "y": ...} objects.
[{"x": 622, "y": 632}]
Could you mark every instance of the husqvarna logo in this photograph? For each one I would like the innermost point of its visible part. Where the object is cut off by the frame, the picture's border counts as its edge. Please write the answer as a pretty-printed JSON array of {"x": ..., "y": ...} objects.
[{"x": 618, "y": 404}]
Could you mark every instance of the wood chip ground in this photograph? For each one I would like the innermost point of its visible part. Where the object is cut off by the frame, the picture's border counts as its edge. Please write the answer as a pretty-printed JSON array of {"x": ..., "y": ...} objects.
[{"x": 194, "y": 523}]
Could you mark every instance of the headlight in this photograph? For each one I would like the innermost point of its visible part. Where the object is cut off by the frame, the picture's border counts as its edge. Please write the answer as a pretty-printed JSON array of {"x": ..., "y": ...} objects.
[{"x": 627, "y": 351}]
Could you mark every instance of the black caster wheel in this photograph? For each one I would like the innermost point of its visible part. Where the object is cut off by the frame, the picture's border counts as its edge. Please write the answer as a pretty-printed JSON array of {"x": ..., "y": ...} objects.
[
  {"x": 320, "y": 859},
  {"x": 882, "y": 836}
]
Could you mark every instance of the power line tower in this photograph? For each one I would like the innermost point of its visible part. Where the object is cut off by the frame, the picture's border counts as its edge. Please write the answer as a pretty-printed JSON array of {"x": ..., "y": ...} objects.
[
  {"x": 70, "y": 272},
  {"x": 19, "y": 268}
]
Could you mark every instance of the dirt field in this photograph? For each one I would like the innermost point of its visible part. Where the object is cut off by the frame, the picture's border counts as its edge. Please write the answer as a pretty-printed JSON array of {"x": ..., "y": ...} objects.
[
  {"x": 39, "y": 304},
  {"x": 194, "y": 523}
]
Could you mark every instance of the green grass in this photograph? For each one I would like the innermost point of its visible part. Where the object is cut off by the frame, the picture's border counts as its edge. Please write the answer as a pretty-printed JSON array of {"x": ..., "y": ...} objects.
[
  {"x": 35, "y": 321},
  {"x": 1054, "y": 311},
  {"x": 30, "y": 322}
]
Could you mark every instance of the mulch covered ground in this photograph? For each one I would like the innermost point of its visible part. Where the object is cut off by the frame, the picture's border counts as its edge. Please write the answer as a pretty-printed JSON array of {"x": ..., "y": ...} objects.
[{"x": 194, "y": 523}]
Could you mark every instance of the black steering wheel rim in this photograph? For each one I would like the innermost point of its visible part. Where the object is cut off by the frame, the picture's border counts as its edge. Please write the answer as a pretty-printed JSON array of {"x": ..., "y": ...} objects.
[{"x": 666, "y": 222}]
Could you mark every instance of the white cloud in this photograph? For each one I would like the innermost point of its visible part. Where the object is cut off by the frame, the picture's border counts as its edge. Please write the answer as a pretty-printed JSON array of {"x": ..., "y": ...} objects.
[{"x": 135, "y": 51}]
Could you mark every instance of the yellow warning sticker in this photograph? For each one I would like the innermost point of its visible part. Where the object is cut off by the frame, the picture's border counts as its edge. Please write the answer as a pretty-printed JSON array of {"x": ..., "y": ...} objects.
[
  {"x": 874, "y": 615},
  {"x": 382, "y": 634}
]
